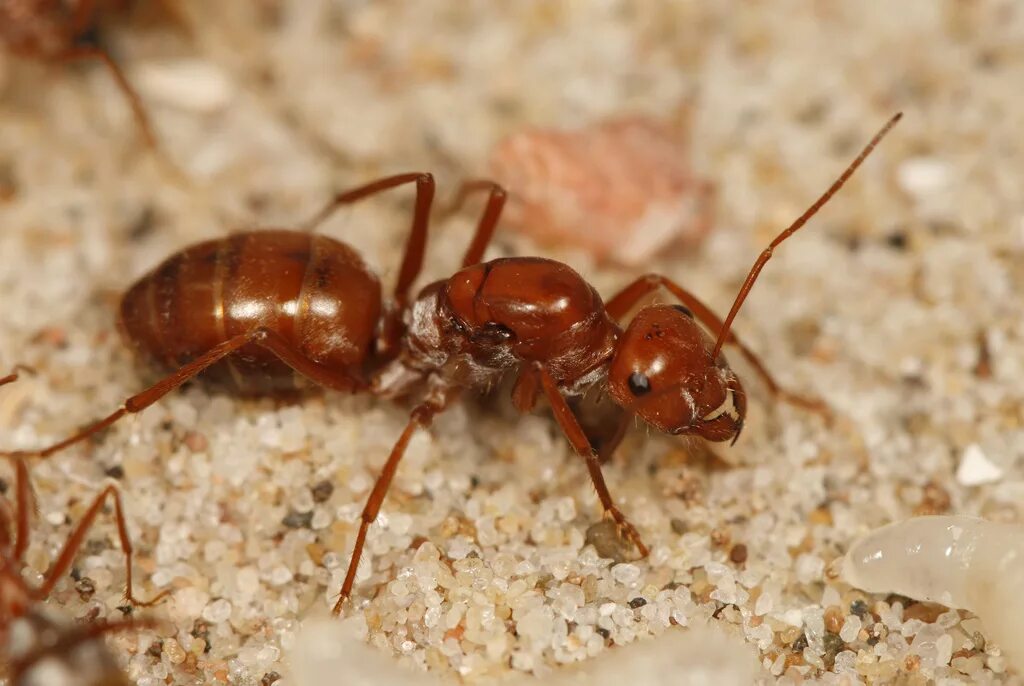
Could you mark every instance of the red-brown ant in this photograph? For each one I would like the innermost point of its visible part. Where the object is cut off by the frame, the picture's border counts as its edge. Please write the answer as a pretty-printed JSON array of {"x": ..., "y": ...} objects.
[
  {"x": 53, "y": 31},
  {"x": 45, "y": 634},
  {"x": 256, "y": 307}
]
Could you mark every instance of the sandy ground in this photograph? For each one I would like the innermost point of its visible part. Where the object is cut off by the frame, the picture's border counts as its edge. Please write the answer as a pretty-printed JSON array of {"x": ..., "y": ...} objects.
[{"x": 899, "y": 305}]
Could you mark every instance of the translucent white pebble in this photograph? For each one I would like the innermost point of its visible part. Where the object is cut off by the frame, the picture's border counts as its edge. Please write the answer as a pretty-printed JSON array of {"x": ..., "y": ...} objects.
[
  {"x": 189, "y": 84},
  {"x": 961, "y": 562}
]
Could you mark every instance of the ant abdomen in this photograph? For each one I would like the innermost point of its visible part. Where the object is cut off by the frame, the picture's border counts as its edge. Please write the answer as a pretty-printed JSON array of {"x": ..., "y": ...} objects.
[{"x": 313, "y": 291}]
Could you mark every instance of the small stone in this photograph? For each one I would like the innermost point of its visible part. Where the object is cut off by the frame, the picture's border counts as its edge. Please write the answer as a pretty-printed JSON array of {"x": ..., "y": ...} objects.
[
  {"x": 850, "y": 629},
  {"x": 322, "y": 491},
  {"x": 859, "y": 607},
  {"x": 196, "y": 442},
  {"x": 155, "y": 649},
  {"x": 738, "y": 554},
  {"x": 625, "y": 573},
  {"x": 298, "y": 520},
  {"x": 85, "y": 587},
  {"x": 637, "y": 602},
  {"x": 174, "y": 652},
  {"x": 608, "y": 542},
  {"x": 270, "y": 678},
  {"x": 923, "y": 176},
  {"x": 218, "y": 611},
  {"x": 833, "y": 619},
  {"x": 976, "y": 469}
]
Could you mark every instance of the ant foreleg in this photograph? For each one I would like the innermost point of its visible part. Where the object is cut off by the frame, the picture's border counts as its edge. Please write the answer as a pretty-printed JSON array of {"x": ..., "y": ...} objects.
[
  {"x": 134, "y": 102},
  {"x": 620, "y": 305},
  {"x": 265, "y": 338},
  {"x": 574, "y": 432},
  {"x": 421, "y": 418}
]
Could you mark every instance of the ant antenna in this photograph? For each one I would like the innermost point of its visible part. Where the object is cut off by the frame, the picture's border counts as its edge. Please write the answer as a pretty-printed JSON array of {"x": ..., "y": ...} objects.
[{"x": 793, "y": 228}]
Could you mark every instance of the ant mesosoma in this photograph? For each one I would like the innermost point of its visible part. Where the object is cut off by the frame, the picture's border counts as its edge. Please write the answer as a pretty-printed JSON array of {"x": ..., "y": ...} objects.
[
  {"x": 254, "y": 308},
  {"x": 32, "y": 635},
  {"x": 58, "y": 31}
]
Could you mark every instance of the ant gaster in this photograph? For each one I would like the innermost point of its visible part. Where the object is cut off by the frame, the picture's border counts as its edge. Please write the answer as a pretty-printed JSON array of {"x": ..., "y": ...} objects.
[
  {"x": 260, "y": 306},
  {"x": 35, "y": 640}
]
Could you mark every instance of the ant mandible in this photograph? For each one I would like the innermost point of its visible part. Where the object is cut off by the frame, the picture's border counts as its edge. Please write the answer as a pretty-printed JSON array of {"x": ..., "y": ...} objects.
[
  {"x": 53, "y": 31},
  {"x": 256, "y": 307},
  {"x": 50, "y": 637}
]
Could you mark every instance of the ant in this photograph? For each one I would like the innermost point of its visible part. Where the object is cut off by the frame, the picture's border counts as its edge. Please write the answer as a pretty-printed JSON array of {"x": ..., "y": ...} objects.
[
  {"x": 30, "y": 636},
  {"x": 60, "y": 31},
  {"x": 254, "y": 308}
]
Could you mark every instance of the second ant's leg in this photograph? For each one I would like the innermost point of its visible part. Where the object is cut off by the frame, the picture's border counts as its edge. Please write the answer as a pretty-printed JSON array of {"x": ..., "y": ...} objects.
[
  {"x": 488, "y": 220},
  {"x": 574, "y": 432},
  {"x": 421, "y": 418},
  {"x": 416, "y": 243},
  {"x": 68, "y": 640},
  {"x": 134, "y": 101},
  {"x": 26, "y": 505},
  {"x": 620, "y": 305},
  {"x": 324, "y": 376},
  {"x": 74, "y": 542},
  {"x": 15, "y": 374}
]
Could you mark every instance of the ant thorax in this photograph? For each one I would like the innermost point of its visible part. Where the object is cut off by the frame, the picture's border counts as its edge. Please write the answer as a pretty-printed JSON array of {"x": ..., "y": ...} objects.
[{"x": 492, "y": 319}]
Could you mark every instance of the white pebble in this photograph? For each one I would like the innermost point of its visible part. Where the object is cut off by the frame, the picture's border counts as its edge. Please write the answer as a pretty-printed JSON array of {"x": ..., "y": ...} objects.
[
  {"x": 188, "y": 84},
  {"x": 280, "y": 575},
  {"x": 248, "y": 582},
  {"x": 218, "y": 611},
  {"x": 923, "y": 176},
  {"x": 764, "y": 604},
  {"x": 851, "y": 627},
  {"x": 809, "y": 568},
  {"x": 626, "y": 573},
  {"x": 190, "y": 601},
  {"x": 976, "y": 469}
]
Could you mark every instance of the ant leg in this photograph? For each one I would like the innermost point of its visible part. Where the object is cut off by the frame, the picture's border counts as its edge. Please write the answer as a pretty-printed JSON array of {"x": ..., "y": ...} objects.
[
  {"x": 620, "y": 305},
  {"x": 15, "y": 375},
  {"x": 324, "y": 376},
  {"x": 70, "y": 639},
  {"x": 74, "y": 542},
  {"x": 608, "y": 448},
  {"x": 134, "y": 101},
  {"x": 488, "y": 220},
  {"x": 416, "y": 244},
  {"x": 26, "y": 504},
  {"x": 574, "y": 432},
  {"x": 421, "y": 418},
  {"x": 526, "y": 389}
]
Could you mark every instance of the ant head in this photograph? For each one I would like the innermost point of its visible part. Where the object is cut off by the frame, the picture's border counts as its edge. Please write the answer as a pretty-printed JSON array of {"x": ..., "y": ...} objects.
[{"x": 664, "y": 370}]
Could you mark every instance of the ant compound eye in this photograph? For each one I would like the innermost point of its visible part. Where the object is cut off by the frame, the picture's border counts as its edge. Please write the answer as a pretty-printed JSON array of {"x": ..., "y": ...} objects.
[
  {"x": 639, "y": 384},
  {"x": 685, "y": 310}
]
